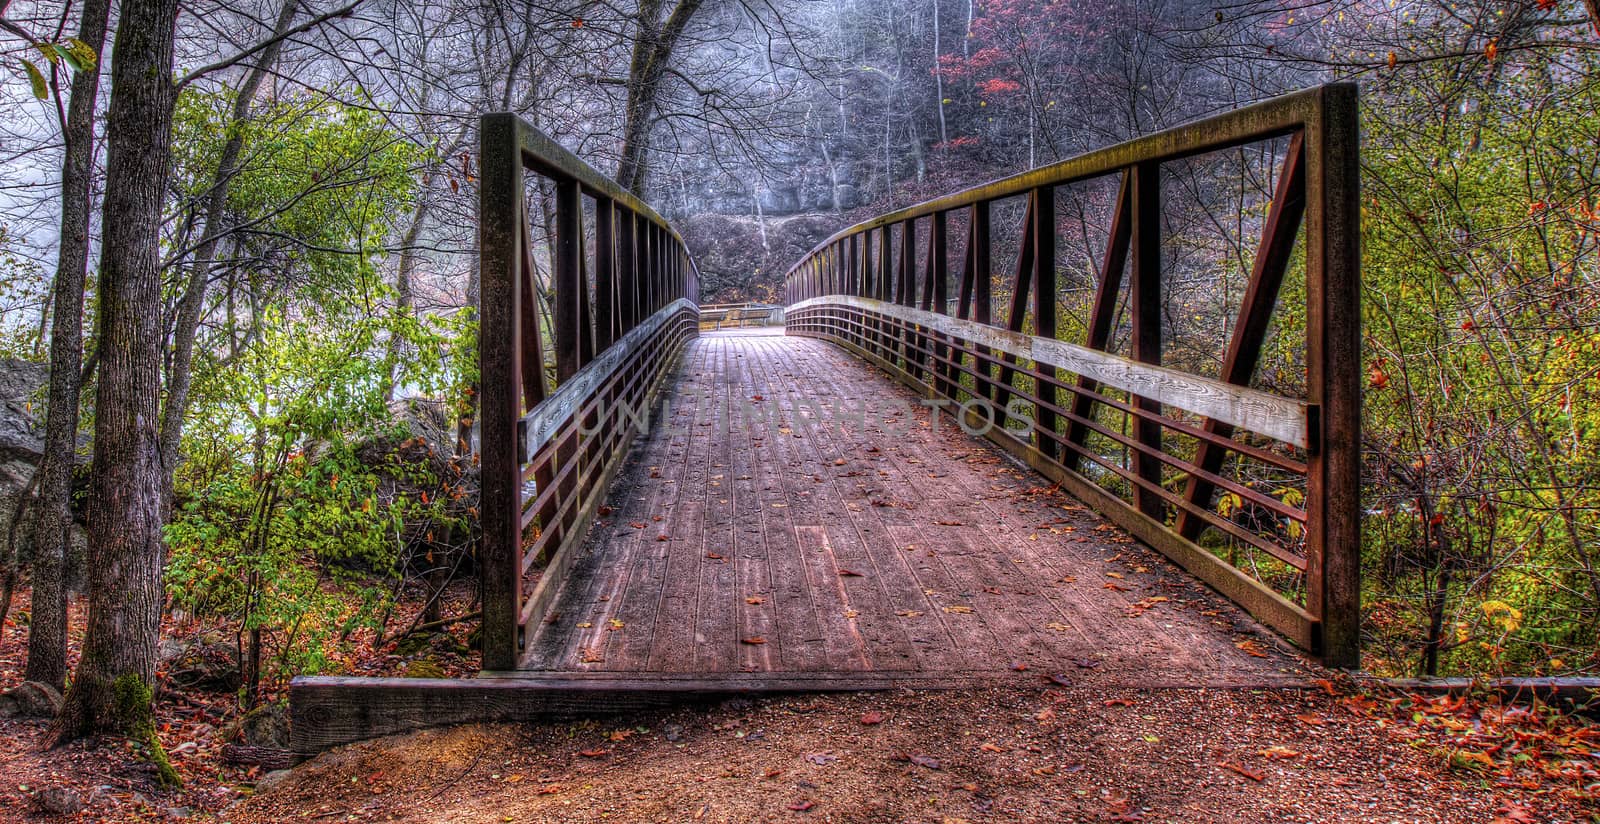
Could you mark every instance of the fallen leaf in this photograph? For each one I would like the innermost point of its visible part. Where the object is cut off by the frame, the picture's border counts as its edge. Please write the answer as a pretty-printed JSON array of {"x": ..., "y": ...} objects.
[
  {"x": 662, "y": 538},
  {"x": 755, "y": 600},
  {"x": 1278, "y": 752},
  {"x": 1045, "y": 714},
  {"x": 594, "y": 753},
  {"x": 616, "y": 625},
  {"x": 801, "y": 806},
  {"x": 948, "y": 523},
  {"x": 1313, "y": 720},
  {"x": 1115, "y": 587},
  {"x": 1243, "y": 770},
  {"x": 872, "y": 718},
  {"x": 636, "y": 524},
  {"x": 550, "y": 789},
  {"x": 1059, "y": 680},
  {"x": 754, "y": 640},
  {"x": 849, "y": 573},
  {"x": 714, "y": 556},
  {"x": 605, "y": 510},
  {"x": 959, "y": 610},
  {"x": 1119, "y": 702},
  {"x": 926, "y": 762},
  {"x": 1058, "y": 626},
  {"x": 1250, "y": 646},
  {"x": 907, "y": 613},
  {"x": 988, "y": 747}
]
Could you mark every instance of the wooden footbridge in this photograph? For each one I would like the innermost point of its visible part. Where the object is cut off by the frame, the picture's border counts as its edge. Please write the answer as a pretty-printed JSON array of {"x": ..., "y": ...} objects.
[{"x": 897, "y": 487}]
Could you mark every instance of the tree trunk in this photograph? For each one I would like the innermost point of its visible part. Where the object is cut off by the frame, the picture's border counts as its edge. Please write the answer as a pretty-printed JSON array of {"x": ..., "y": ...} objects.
[
  {"x": 653, "y": 45},
  {"x": 938, "y": 78},
  {"x": 192, "y": 305},
  {"x": 47, "y": 632},
  {"x": 112, "y": 684}
]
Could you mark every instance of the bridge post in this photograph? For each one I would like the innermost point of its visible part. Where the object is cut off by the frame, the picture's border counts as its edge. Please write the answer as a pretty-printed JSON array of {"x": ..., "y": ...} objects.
[
  {"x": 500, "y": 213},
  {"x": 1333, "y": 373}
]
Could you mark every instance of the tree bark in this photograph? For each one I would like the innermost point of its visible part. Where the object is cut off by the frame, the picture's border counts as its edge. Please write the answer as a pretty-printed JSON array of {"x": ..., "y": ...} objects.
[
  {"x": 653, "y": 45},
  {"x": 125, "y": 549},
  {"x": 191, "y": 307},
  {"x": 47, "y": 632}
]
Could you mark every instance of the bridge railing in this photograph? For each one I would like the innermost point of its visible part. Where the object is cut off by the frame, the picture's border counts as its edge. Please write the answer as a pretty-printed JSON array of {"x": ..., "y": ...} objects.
[
  {"x": 739, "y": 315},
  {"x": 622, "y": 300},
  {"x": 1199, "y": 467}
]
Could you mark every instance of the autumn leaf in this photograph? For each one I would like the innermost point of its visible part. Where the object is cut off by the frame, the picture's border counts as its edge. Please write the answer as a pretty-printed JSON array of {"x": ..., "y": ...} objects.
[
  {"x": 1243, "y": 770},
  {"x": 662, "y": 538},
  {"x": 754, "y": 640},
  {"x": 1250, "y": 646},
  {"x": 1312, "y": 720},
  {"x": 1492, "y": 50},
  {"x": 959, "y": 610},
  {"x": 1278, "y": 752},
  {"x": 714, "y": 556},
  {"x": 605, "y": 510},
  {"x": 988, "y": 747},
  {"x": 755, "y": 599},
  {"x": 1115, "y": 587},
  {"x": 616, "y": 625},
  {"x": 1045, "y": 715},
  {"x": 872, "y": 718},
  {"x": 801, "y": 806},
  {"x": 849, "y": 573},
  {"x": 636, "y": 524},
  {"x": 948, "y": 523},
  {"x": 1118, "y": 702},
  {"x": 594, "y": 753}
]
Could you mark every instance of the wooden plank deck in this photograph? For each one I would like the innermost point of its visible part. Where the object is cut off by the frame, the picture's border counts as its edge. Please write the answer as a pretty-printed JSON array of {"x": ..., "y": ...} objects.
[{"x": 794, "y": 512}]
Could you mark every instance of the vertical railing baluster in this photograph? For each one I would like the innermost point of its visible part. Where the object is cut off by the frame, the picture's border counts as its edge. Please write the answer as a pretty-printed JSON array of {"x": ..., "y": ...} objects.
[
  {"x": 1044, "y": 317},
  {"x": 1145, "y": 304},
  {"x": 569, "y": 286},
  {"x": 605, "y": 275}
]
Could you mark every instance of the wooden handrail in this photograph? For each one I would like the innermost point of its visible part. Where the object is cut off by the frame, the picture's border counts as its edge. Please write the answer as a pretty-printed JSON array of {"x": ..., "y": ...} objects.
[
  {"x": 620, "y": 318},
  {"x": 1178, "y": 429}
]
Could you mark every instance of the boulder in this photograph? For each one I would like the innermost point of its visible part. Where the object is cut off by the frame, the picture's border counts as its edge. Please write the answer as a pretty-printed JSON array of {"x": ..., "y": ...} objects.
[
  {"x": 30, "y": 699},
  {"x": 202, "y": 664}
]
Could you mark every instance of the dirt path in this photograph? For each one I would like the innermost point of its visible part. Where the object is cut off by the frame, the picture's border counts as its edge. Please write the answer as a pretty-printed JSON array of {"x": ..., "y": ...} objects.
[{"x": 998, "y": 755}]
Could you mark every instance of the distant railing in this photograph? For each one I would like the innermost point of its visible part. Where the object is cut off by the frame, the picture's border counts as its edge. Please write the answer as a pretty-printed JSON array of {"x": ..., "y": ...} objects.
[
  {"x": 1169, "y": 440},
  {"x": 621, "y": 310},
  {"x": 739, "y": 315}
]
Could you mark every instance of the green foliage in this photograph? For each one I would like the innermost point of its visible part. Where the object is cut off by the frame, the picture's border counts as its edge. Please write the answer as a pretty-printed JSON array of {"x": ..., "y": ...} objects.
[
  {"x": 291, "y": 509},
  {"x": 23, "y": 292},
  {"x": 1484, "y": 372}
]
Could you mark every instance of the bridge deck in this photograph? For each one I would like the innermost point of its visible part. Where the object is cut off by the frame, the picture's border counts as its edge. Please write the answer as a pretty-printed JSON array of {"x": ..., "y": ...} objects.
[{"x": 794, "y": 512}]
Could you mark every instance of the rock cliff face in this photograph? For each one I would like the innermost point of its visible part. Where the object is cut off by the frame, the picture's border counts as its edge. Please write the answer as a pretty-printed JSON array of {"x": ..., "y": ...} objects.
[
  {"x": 22, "y": 390},
  {"x": 21, "y": 422},
  {"x": 736, "y": 266}
]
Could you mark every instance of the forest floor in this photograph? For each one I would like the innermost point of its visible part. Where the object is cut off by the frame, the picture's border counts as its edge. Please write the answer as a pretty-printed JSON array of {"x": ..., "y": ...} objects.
[{"x": 1050, "y": 753}]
